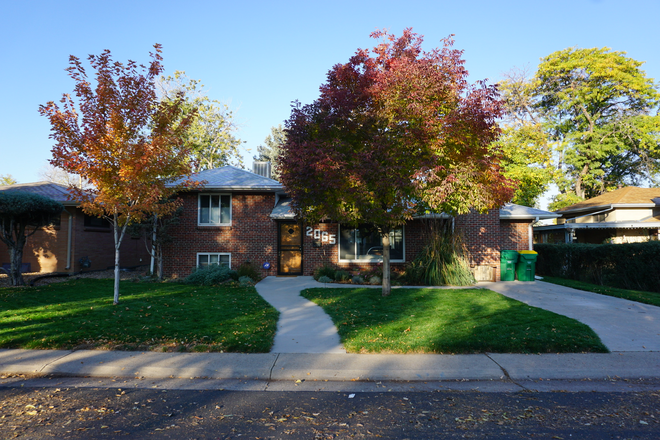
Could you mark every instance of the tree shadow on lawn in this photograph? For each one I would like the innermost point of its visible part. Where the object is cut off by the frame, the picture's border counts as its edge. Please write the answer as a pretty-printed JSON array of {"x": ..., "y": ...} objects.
[
  {"x": 179, "y": 317},
  {"x": 449, "y": 321}
]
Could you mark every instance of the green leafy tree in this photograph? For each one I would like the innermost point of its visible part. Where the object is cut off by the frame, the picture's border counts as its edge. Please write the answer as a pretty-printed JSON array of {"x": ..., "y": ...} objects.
[
  {"x": 527, "y": 149},
  {"x": 598, "y": 105},
  {"x": 7, "y": 179},
  {"x": 21, "y": 215},
  {"x": 271, "y": 149},
  {"x": 211, "y": 136},
  {"x": 395, "y": 132}
]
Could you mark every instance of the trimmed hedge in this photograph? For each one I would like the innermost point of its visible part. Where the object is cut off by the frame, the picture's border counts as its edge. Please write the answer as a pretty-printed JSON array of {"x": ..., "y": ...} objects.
[{"x": 634, "y": 266}]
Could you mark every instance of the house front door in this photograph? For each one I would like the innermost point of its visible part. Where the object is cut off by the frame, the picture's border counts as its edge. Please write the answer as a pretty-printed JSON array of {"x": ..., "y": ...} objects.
[{"x": 290, "y": 246}]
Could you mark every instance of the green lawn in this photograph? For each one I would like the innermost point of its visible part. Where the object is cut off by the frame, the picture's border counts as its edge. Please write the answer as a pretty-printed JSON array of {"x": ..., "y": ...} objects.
[
  {"x": 448, "y": 321},
  {"x": 156, "y": 316},
  {"x": 651, "y": 298}
]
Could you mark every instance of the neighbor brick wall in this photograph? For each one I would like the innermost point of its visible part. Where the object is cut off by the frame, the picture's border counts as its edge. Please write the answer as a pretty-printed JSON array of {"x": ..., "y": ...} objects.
[
  {"x": 515, "y": 235},
  {"x": 252, "y": 235},
  {"x": 46, "y": 250}
]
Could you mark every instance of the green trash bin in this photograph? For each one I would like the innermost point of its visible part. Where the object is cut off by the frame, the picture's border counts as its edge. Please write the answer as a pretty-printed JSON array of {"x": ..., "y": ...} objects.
[
  {"x": 508, "y": 260},
  {"x": 526, "y": 267}
]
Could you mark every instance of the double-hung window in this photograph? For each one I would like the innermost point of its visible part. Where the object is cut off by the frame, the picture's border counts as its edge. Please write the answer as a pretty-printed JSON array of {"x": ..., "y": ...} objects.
[
  {"x": 209, "y": 259},
  {"x": 365, "y": 244},
  {"x": 214, "y": 210}
]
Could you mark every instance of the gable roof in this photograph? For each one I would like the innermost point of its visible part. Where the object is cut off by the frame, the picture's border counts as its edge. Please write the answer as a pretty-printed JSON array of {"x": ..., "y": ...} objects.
[
  {"x": 55, "y": 191},
  {"x": 511, "y": 211},
  {"x": 630, "y": 195},
  {"x": 230, "y": 177}
]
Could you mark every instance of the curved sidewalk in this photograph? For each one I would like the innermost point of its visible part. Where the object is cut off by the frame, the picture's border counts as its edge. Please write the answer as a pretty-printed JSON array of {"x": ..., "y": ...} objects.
[{"x": 303, "y": 327}]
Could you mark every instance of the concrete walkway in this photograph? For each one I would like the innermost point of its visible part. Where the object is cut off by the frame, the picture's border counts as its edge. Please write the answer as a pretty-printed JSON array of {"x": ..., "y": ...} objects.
[
  {"x": 303, "y": 326},
  {"x": 622, "y": 325}
]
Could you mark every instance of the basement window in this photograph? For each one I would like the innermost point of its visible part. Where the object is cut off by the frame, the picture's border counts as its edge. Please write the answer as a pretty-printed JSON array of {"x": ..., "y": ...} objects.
[{"x": 209, "y": 259}]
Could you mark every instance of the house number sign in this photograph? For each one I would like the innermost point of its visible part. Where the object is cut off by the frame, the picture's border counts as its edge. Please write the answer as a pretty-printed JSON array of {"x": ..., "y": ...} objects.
[{"x": 321, "y": 235}]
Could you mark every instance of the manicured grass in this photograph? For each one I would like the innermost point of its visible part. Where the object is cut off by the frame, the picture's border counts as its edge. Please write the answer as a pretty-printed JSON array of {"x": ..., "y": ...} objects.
[
  {"x": 448, "y": 321},
  {"x": 651, "y": 298},
  {"x": 156, "y": 316}
]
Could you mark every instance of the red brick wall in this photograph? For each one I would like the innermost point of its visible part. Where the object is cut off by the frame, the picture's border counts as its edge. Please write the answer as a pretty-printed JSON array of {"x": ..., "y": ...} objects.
[
  {"x": 515, "y": 235},
  {"x": 481, "y": 234},
  {"x": 328, "y": 253},
  {"x": 252, "y": 235},
  {"x": 46, "y": 250}
]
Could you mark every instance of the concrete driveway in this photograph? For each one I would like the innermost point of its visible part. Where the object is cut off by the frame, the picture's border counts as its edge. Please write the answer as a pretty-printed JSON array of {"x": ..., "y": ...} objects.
[{"x": 622, "y": 325}]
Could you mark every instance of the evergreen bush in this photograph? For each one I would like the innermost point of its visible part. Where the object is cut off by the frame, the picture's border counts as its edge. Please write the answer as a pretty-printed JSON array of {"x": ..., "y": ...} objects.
[
  {"x": 634, "y": 266},
  {"x": 247, "y": 269},
  {"x": 326, "y": 270},
  {"x": 245, "y": 281},
  {"x": 342, "y": 275},
  {"x": 357, "y": 279},
  {"x": 324, "y": 279},
  {"x": 209, "y": 276}
]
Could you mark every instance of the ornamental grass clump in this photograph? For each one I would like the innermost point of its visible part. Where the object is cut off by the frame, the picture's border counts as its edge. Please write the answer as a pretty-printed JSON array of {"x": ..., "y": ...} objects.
[{"x": 443, "y": 261}]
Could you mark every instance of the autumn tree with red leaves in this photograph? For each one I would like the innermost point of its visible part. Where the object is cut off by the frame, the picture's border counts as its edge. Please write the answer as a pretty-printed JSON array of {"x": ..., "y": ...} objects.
[
  {"x": 396, "y": 132},
  {"x": 120, "y": 137}
]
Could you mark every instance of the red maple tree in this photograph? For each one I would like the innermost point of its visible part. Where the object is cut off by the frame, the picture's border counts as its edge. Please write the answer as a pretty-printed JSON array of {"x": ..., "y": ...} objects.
[
  {"x": 396, "y": 132},
  {"x": 119, "y": 136}
]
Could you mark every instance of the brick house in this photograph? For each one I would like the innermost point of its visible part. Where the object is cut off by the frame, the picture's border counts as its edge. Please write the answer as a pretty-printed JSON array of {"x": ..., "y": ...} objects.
[
  {"x": 241, "y": 217},
  {"x": 73, "y": 238}
]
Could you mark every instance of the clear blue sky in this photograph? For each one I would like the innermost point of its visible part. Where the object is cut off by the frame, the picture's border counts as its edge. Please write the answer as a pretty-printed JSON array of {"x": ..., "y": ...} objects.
[{"x": 259, "y": 56}]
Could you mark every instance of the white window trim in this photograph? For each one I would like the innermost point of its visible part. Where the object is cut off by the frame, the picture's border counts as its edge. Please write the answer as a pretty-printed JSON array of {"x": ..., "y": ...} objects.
[
  {"x": 199, "y": 209},
  {"x": 374, "y": 260},
  {"x": 211, "y": 253}
]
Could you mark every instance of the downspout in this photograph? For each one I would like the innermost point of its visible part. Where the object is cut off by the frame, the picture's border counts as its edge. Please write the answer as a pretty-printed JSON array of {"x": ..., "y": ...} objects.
[
  {"x": 530, "y": 235},
  {"x": 69, "y": 240}
]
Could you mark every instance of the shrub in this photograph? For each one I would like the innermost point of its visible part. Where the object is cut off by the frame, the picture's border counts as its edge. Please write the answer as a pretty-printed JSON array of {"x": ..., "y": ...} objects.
[
  {"x": 633, "y": 266},
  {"x": 247, "y": 269},
  {"x": 246, "y": 281},
  {"x": 357, "y": 279},
  {"x": 375, "y": 280},
  {"x": 208, "y": 276},
  {"x": 342, "y": 275},
  {"x": 326, "y": 270},
  {"x": 324, "y": 279}
]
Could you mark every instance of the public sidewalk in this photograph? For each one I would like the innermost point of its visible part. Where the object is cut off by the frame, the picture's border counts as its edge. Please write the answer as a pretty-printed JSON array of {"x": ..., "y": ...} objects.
[{"x": 332, "y": 367}]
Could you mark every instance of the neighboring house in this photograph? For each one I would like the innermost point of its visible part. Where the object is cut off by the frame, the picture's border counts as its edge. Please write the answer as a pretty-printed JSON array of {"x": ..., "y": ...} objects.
[
  {"x": 241, "y": 217},
  {"x": 627, "y": 215},
  {"x": 74, "y": 238}
]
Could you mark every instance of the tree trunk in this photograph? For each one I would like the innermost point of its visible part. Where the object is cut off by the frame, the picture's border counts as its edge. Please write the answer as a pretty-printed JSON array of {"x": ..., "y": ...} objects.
[
  {"x": 159, "y": 261},
  {"x": 387, "y": 285},
  {"x": 118, "y": 239},
  {"x": 16, "y": 256}
]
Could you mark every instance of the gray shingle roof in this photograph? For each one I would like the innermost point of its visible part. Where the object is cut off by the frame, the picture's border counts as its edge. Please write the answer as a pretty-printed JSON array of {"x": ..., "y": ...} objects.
[
  {"x": 57, "y": 192},
  {"x": 511, "y": 211},
  {"x": 232, "y": 178}
]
